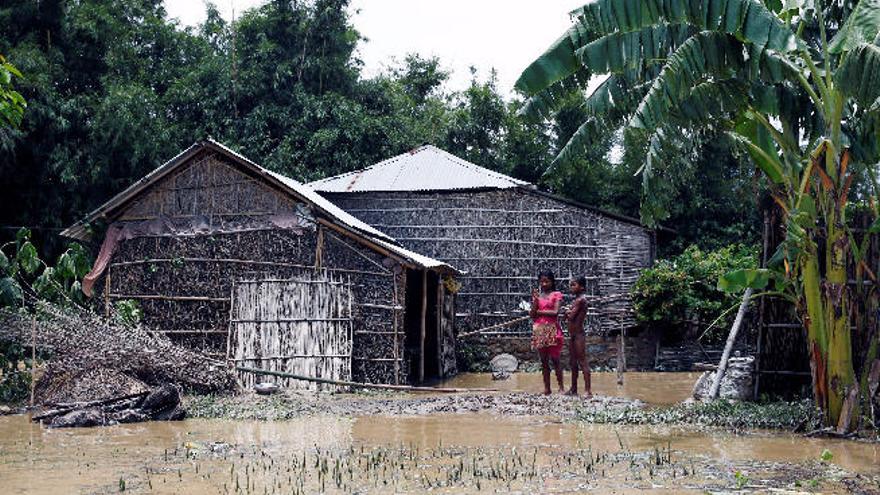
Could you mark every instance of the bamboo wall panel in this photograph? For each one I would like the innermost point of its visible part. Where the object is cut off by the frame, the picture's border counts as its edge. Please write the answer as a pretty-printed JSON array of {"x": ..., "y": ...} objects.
[
  {"x": 300, "y": 326},
  {"x": 502, "y": 238}
]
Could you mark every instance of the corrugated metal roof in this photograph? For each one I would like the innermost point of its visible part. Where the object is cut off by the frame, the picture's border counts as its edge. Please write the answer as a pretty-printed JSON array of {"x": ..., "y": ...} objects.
[
  {"x": 297, "y": 189},
  {"x": 426, "y": 168}
]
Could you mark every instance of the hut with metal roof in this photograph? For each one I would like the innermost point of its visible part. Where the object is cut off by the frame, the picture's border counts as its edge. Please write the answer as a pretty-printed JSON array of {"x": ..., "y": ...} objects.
[
  {"x": 253, "y": 267},
  {"x": 500, "y": 231}
]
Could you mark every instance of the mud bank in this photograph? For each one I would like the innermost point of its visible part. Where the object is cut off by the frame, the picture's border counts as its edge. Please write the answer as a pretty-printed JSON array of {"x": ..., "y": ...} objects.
[{"x": 289, "y": 405}]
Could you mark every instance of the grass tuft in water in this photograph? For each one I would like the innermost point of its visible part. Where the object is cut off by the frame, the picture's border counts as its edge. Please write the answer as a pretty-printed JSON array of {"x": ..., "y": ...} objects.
[{"x": 778, "y": 415}]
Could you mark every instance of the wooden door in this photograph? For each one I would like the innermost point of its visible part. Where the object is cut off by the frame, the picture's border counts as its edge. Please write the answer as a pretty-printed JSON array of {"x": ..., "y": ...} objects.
[{"x": 300, "y": 326}]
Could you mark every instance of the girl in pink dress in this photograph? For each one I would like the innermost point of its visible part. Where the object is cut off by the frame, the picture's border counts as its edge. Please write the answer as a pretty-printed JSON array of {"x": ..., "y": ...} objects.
[{"x": 547, "y": 336}]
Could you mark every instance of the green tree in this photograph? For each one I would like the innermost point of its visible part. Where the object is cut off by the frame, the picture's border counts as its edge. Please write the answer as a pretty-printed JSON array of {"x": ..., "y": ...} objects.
[
  {"x": 792, "y": 83},
  {"x": 12, "y": 104}
]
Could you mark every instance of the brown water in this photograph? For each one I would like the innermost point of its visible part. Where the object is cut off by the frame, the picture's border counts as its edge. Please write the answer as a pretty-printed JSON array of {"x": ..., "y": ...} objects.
[
  {"x": 652, "y": 388},
  {"x": 215, "y": 456}
]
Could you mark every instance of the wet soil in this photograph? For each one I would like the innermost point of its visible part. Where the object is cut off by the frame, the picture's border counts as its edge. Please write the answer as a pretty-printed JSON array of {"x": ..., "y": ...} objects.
[
  {"x": 447, "y": 453},
  {"x": 518, "y": 396},
  {"x": 506, "y": 442}
]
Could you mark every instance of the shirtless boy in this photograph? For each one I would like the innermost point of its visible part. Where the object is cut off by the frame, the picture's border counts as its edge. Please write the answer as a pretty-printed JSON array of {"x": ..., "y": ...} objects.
[{"x": 577, "y": 350}]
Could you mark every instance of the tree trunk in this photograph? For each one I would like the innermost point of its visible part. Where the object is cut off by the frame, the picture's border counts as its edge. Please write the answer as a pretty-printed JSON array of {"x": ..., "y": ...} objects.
[
  {"x": 840, "y": 371},
  {"x": 814, "y": 322}
]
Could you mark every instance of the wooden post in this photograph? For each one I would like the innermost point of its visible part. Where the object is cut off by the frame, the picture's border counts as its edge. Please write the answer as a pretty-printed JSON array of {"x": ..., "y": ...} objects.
[
  {"x": 319, "y": 249},
  {"x": 33, "y": 358},
  {"x": 231, "y": 327},
  {"x": 350, "y": 330},
  {"x": 722, "y": 365},
  {"x": 394, "y": 314},
  {"x": 439, "y": 311},
  {"x": 621, "y": 355},
  {"x": 422, "y": 325}
]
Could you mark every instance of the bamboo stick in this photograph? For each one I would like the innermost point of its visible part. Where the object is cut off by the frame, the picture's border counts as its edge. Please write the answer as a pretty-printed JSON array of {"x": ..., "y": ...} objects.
[
  {"x": 474, "y": 226},
  {"x": 728, "y": 347},
  {"x": 230, "y": 327},
  {"x": 243, "y": 262},
  {"x": 319, "y": 249},
  {"x": 394, "y": 316},
  {"x": 395, "y": 307},
  {"x": 288, "y": 320},
  {"x": 292, "y": 356},
  {"x": 495, "y": 242},
  {"x": 169, "y": 298},
  {"x": 33, "y": 358},
  {"x": 344, "y": 383},
  {"x": 422, "y": 325},
  {"x": 493, "y": 327}
]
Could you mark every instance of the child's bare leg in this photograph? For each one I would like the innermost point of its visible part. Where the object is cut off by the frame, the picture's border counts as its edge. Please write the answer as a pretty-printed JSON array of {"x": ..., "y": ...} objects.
[
  {"x": 585, "y": 365},
  {"x": 574, "y": 370},
  {"x": 545, "y": 370},
  {"x": 559, "y": 379},
  {"x": 579, "y": 353}
]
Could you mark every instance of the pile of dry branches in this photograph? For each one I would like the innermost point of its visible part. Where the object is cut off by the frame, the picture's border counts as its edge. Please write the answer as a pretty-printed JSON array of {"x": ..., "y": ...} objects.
[{"x": 89, "y": 357}]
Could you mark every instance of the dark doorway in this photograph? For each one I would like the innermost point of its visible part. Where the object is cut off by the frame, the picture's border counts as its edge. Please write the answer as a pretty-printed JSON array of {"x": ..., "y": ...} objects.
[{"x": 421, "y": 301}]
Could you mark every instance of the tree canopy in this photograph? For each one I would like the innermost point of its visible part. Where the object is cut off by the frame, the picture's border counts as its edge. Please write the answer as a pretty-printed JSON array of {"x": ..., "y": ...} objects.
[{"x": 116, "y": 88}]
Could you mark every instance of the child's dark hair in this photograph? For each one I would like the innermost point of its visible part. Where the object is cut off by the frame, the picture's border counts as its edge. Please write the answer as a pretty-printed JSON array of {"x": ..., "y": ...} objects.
[
  {"x": 581, "y": 280},
  {"x": 548, "y": 274}
]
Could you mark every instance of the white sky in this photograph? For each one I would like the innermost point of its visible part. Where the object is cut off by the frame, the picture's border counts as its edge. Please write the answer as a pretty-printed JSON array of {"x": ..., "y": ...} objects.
[{"x": 504, "y": 34}]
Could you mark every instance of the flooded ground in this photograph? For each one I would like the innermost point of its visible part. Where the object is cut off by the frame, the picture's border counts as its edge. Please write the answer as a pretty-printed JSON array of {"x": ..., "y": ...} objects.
[
  {"x": 514, "y": 442},
  {"x": 655, "y": 388},
  {"x": 447, "y": 453}
]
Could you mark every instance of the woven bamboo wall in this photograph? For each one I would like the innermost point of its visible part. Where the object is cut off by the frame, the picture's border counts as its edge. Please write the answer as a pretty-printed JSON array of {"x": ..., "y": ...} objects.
[
  {"x": 301, "y": 326},
  {"x": 209, "y": 224},
  {"x": 502, "y": 238}
]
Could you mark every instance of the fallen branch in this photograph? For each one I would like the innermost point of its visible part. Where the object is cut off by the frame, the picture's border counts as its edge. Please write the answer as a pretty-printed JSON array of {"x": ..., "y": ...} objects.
[
  {"x": 64, "y": 408},
  {"x": 344, "y": 383}
]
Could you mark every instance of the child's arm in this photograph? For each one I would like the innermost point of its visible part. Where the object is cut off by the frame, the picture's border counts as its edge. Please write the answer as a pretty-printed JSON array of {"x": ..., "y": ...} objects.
[{"x": 578, "y": 309}]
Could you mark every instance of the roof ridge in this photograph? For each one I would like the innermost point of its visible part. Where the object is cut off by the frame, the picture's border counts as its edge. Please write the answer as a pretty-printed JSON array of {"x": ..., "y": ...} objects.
[
  {"x": 479, "y": 168},
  {"x": 407, "y": 177}
]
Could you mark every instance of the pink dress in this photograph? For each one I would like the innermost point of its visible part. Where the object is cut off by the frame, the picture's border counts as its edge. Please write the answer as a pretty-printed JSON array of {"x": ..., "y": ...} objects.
[{"x": 547, "y": 303}]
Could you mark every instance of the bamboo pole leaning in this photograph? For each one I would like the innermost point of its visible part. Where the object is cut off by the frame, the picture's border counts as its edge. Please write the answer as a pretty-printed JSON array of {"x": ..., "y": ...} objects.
[
  {"x": 728, "y": 347},
  {"x": 380, "y": 386}
]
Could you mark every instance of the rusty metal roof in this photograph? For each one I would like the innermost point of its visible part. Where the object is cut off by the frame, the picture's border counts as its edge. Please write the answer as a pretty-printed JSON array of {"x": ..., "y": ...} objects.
[
  {"x": 299, "y": 191},
  {"x": 426, "y": 168}
]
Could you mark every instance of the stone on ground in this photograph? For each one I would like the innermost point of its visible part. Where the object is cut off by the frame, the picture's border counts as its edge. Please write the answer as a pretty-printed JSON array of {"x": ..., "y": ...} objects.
[
  {"x": 504, "y": 363},
  {"x": 737, "y": 384}
]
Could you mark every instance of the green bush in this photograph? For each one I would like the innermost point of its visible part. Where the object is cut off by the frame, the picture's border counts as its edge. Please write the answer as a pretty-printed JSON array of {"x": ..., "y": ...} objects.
[
  {"x": 680, "y": 296},
  {"x": 14, "y": 383}
]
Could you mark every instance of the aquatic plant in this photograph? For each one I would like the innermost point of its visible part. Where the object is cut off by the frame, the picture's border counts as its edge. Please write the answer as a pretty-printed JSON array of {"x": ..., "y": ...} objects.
[{"x": 794, "y": 416}]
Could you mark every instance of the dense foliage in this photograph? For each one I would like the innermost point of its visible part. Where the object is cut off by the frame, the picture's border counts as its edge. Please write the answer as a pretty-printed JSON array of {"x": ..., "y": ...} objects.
[
  {"x": 794, "y": 85},
  {"x": 24, "y": 278},
  {"x": 116, "y": 88},
  {"x": 679, "y": 295}
]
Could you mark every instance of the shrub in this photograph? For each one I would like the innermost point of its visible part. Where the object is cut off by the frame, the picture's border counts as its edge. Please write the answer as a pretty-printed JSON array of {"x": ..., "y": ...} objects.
[{"x": 680, "y": 294}]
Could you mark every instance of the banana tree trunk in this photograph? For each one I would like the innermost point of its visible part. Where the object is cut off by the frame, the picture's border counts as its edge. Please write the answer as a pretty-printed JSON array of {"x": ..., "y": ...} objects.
[
  {"x": 814, "y": 322},
  {"x": 840, "y": 371}
]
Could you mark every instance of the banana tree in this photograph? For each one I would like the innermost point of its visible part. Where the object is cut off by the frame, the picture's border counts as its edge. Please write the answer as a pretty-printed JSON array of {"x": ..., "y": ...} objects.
[{"x": 795, "y": 83}]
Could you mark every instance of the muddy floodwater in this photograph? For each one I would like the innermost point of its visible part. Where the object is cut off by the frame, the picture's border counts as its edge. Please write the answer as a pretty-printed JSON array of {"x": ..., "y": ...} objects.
[
  {"x": 443, "y": 453},
  {"x": 652, "y": 388}
]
